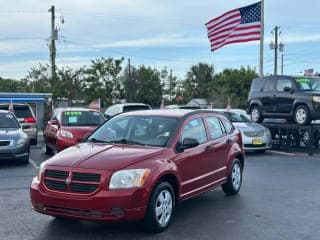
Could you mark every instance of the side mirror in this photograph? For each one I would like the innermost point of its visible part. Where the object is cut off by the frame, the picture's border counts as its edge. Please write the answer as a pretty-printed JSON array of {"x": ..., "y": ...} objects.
[
  {"x": 288, "y": 89},
  {"x": 189, "y": 143},
  {"x": 54, "y": 122}
]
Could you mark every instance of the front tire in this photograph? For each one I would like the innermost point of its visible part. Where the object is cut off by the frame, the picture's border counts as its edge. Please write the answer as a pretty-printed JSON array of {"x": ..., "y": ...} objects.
[
  {"x": 47, "y": 150},
  {"x": 160, "y": 209},
  {"x": 234, "y": 181},
  {"x": 256, "y": 115},
  {"x": 301, "y": 115}
]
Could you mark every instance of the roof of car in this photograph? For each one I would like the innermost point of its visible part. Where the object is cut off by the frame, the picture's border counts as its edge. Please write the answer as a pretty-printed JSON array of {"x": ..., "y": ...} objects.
[
  {"x": 75, "y": 109},
  {"x": 131, "y": 104},
  {"x": 4, "y": 111},
  {"x": 15, "y": 104},
  {"x": 167, "y": 112}
]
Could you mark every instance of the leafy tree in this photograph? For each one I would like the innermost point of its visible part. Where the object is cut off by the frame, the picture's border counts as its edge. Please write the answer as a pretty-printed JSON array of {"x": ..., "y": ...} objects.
[
  {"x": 101, "y": 80},
  {"x": 11, "y": 85},
  {"x": 198, "y": 81}
]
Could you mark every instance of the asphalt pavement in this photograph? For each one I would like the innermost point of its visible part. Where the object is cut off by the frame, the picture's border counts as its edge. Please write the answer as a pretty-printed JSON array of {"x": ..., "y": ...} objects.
[{"x": 279, "y": 199}]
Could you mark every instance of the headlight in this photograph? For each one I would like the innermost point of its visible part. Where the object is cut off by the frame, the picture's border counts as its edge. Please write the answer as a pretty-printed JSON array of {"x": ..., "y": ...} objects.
[
  {"x": 66, "y": 134},
  {"x": 129, "y": 178},
  {"x": 41, "y": 170},
  {"x": 316, "y": 98},
  {"x": 21, "y": 141}
]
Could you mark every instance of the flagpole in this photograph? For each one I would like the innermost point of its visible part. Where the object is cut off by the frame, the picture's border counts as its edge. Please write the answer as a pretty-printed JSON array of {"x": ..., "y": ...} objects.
[{"x": 261, "y": 39}]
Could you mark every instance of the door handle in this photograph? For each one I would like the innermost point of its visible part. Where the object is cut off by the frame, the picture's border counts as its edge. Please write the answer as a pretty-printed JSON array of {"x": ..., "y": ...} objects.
[{"x": 209, "y": 148}]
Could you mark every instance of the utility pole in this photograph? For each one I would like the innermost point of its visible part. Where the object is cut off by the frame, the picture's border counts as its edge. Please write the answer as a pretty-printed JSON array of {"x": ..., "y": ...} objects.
[
  {"x": 52, "y": 46},
  {"x": 282, "y": 55},
  {"x": 275, "y": 46},
  {"x": 129, "y": 82}
]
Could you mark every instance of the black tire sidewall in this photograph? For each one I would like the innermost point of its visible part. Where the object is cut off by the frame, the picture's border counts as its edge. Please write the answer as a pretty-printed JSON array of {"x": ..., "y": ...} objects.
[{"x": 150, "y": 222}]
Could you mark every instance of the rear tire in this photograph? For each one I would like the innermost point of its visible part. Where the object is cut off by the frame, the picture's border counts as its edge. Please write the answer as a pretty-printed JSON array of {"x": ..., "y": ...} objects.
[
  {"x": 160, "y": 209},
  {"x": 234, "y": 181},
  {"x": 256, "y": 115}
]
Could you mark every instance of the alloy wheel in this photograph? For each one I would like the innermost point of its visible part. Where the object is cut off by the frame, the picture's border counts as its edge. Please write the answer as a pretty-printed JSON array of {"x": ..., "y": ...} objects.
[{"x": 163, "y": 207}]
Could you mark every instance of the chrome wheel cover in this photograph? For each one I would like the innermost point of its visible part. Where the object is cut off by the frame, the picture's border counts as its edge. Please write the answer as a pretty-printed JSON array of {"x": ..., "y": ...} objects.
[
  {"x": 255, "y": 114},
  {"x": 163, "y": 207},
  {"x": 236, "y": 176},
  {"x": 301, "y": 115}
]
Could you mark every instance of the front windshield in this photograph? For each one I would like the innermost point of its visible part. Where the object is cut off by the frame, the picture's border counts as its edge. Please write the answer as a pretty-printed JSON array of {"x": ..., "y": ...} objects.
[
  {"x": 308, "y": 84},
  {"x": 81, "y": 118},
  {"x": 7, "y": 120},
  {"x": 141, "y": 130},
  {"x": 236, "y": 117}
]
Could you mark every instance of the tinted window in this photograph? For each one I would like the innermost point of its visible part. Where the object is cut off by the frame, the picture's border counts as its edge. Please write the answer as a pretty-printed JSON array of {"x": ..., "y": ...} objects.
[
  {"x": 283, "y": 83},
  {"x": 81, "y": 118},
  {"x": 134, "y": 108},
  {"x": 228, "y": 126},
  {"x": 194, "y": 129},
  {"x": 20, "y": 111},
  {"x": 215, "y": 128},
  {"x": 268, "y": 85},
  {"x": 7, "y": 120},
  {"x": 144, "y": 130},
  {"x": 236, "y": 117},
  {"x": 256, "y": 85}
]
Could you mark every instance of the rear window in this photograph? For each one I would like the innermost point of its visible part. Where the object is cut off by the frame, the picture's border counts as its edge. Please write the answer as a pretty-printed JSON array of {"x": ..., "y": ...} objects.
[
  {"x": 135, "y": 108},
  {"x": 19, "y": 111},
  {"x": 7, "y": 120},
  {"x": 81, "y": 118}
]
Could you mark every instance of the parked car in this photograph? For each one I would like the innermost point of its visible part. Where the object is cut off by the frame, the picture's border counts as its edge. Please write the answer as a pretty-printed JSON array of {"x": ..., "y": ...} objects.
[
  {"x": 139, "y": 165},
  {"x": 255, "y": 137},
  {"x": 69, "y": 126},
  {"x": 292, "y": 98},
  {"x": 14, "y": 142},
  {"x": 26, "y": 117},
  {"x": 124, "y": 107}
]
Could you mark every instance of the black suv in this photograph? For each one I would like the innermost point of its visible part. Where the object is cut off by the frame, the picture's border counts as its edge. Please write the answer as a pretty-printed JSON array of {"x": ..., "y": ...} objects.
[{"x": 292, "y": 98}]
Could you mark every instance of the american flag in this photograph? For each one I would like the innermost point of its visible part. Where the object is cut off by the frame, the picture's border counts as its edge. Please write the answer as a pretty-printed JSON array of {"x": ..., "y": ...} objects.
[
  {"x": 235, "y": 26},
  {"x": 10, "y": 107}
]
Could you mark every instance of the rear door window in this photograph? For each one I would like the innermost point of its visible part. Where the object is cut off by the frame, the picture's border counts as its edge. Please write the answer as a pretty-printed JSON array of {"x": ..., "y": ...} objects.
[
  {"x": 268, "y": 85},
  {"x": 215, "y": 128}
]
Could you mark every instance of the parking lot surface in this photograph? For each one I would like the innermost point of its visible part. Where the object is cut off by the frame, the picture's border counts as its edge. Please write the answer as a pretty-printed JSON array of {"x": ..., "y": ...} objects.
[{"x": 279, "y": 199}]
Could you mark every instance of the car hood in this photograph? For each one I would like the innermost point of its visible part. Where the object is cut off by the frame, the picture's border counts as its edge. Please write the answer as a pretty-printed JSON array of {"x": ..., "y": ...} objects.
[
  {"x": 103, "y": 156},
  {"x": 10, "y": 133},
  {"x": 248, "y": 126},
  {"x": 80, "y": 131}
]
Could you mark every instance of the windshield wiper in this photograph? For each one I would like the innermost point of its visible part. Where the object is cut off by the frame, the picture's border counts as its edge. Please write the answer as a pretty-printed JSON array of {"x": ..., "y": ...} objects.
[
  {"x": 96, "y": 140},
  {"x": 127, "y": 141}
]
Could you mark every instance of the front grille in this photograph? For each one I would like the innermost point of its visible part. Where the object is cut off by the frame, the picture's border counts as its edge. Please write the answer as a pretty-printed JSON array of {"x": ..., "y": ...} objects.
[
  {"x": 4, "y": 143},
  {"x": 74, "y": 182},
  {"x": 88, "y": 177},
  {"x": 254, "y": 133},
  {"x": 56, "y": 174},
  {"x": 254, "y": 145},
  {"x": 83, "y": 188},
  {"x": 56, "y": 185}
]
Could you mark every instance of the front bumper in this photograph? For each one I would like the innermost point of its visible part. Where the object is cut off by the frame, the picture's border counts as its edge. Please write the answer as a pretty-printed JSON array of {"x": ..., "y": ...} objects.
[
  {"x": 31, "y": 132},
  {"x": 15, "y": 152},
  {"x": 263, "y": 143},
  {"x": 103, "y": 205}
]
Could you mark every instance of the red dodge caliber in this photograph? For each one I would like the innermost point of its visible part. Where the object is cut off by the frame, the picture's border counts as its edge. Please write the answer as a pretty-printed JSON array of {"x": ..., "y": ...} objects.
[{"x": 139, "y": 165}]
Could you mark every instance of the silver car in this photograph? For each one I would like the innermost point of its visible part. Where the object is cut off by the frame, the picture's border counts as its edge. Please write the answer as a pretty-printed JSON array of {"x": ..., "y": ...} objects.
[
  {"x": 14, "y": 143},
  {"x": 255, "y": 137},
  {"x": 27, "y": 119}
]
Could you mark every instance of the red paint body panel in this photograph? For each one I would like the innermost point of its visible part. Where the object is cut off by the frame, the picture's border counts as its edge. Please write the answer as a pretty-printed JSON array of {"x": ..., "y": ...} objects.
[{"x": 194, "y": 170}]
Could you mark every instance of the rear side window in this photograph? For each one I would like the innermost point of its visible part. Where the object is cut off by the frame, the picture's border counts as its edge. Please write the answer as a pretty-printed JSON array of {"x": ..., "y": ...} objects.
[
  {"x": 194, "y": 129},
  {"x": 256, "y": 85},
  {"x": 227, "y": 125},
  {"x": 268, "y": 85},
  {"x": 134, "y": 108},
  {"x": 22, "y": 111},
  {"x": 215, "y": 128}
]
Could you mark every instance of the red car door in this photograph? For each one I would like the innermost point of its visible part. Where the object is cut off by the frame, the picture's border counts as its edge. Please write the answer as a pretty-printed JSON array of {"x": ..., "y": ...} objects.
[{"x": 195, "y": 164}]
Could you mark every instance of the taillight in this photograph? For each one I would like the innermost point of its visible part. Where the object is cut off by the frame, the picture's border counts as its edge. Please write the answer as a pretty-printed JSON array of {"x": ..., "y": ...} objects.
[{"x": 30, "y": 120}]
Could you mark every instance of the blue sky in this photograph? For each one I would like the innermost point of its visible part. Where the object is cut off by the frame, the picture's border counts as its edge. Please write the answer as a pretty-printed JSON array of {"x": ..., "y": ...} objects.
[{"x": 154, "y": 33}]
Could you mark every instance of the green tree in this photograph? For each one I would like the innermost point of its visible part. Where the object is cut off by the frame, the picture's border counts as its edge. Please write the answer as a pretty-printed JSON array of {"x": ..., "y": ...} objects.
[
  {"x": 101, "y": 80},
  {"x": 198, "y": 81}
]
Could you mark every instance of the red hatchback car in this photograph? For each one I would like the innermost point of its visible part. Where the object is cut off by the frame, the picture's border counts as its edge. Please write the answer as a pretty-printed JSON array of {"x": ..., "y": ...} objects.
[
  {"x": 139, "y": 165},
  {"x": 69, "y": 126}
]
